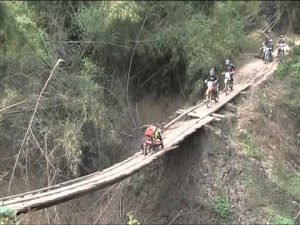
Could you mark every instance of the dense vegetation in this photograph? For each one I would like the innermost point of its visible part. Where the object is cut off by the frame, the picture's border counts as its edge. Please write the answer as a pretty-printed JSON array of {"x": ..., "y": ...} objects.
[
  {"x": 114, "y": 53},
  {"x": 289, "y": 74}
]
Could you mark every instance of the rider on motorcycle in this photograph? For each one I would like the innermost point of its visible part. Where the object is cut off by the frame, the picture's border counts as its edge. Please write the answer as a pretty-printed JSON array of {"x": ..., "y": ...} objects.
[
  {"x": 213, "y": 77},
  {"x": 230, "y": 67},
  {"x": 153, "y": 133},
  {"x": 269, "y": 44},
  {"x": 281, "y": 41}
]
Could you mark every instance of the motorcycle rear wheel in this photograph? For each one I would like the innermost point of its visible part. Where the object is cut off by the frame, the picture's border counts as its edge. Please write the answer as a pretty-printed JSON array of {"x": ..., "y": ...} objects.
[{"x": 266, "y": 58}]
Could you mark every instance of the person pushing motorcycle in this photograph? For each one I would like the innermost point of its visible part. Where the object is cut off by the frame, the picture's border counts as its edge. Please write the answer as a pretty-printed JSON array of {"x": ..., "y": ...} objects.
[
  {"x": 280, "y": 42},
  {"x": 212, "y": 76},
  {"x": 214, "y": 79},
  {"x": 153, "y": 134},
  {"x": 269, "y": 44},
  {"x": 230, "y": 67}
]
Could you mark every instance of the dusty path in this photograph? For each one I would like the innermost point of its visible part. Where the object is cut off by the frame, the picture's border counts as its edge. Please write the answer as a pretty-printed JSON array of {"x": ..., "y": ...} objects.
[{"x": 256, "y": 71}]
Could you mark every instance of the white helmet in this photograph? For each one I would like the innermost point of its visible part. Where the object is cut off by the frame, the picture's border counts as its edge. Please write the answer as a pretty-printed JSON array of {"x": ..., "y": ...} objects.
[
  {"x": 159, "y": 130},
  {"x": 226, "y": 61}
]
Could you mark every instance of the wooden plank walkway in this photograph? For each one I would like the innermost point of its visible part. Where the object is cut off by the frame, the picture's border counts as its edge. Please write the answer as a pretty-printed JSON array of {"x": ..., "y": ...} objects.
[{"x": 175, "y": 132}]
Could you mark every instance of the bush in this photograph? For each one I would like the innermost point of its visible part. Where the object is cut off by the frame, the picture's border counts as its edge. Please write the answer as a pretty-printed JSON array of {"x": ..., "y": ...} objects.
[
  {"x": 249, "y": 146},
  {"x": 282, "y": 220},
  {"x": 290, "y": 74},
  {"x": 8, "y": 216},
  {"x": 221, "y": 206}
]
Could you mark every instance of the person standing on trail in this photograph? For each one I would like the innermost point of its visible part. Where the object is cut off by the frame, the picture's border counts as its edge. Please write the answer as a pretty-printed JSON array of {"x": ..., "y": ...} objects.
[
  {"x": 230, "y": 67},
  {"x": 281, "y": 42}
]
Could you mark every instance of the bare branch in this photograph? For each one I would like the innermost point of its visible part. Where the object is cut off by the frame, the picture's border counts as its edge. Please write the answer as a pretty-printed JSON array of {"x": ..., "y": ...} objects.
[
  {"x": 129, "y": 70},
  {"x": 108, "y": 204},
  {"x": 30, "y": 123},
  {"x": 16, "y": 104}
]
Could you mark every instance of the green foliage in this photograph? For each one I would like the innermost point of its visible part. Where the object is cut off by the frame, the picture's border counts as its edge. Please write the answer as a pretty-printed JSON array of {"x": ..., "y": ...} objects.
[
  {"x": 279, "y": 218},
  {"x": 282, "y": 220},
  {"x": 72, "y": 103},
  {"x": 123, "y": 11},
  {"x": 176, "y": 42},
  {"x": 288, "y": 181},
  {"x": 221, "y": 206},
  {"x": 8, "y": 216},
  {"x": 85, "y": 105},
  {"x": 136, "y": 183},
  {"x": 70, "y": 142},
  {"x": 132, "y": 220},
  {"x": 105, "y": 19},
  {"x": 26, "y": 31},
  {"x": 289, "y": 73},
  {"x": 249, "y": 147},
  {"x": 267, "y": 107}
]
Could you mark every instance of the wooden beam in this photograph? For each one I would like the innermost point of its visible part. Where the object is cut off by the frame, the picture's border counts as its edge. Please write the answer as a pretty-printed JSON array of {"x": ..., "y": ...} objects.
[
  {"x": 64, "y": 193},
  {"x": 218, "y": 115},
  {"x": 180, "y": 111},
  {"x": 244, "y": 92},
  {"x": 180, "y": 116},
  {"x": 194, "y": 115}
]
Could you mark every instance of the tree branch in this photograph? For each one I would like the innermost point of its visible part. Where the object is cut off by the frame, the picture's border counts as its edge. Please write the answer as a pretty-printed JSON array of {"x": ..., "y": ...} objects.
[
  {"x": 129, "y": 70},
  {"x": 30, "y": 123}
]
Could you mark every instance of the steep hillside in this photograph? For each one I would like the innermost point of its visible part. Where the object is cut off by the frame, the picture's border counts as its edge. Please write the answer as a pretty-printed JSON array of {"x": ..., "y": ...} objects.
[
  {"x": 131, "y": 63},
  {"x": 242, "y": 169}
]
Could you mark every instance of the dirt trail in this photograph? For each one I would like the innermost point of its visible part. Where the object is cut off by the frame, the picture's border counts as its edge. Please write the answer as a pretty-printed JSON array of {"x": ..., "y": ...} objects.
[{"x": 256, "y": 71}]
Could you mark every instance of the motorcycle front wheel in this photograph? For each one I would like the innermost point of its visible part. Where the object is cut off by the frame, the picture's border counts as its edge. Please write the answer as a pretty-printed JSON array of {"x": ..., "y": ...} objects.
[
  {"x": 208, "y": 99},
  {"x": 226, "y": 88}
]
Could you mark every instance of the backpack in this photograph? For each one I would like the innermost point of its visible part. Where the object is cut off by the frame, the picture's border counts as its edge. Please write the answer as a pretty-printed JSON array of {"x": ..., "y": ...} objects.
[{"x": 150, "y": 130}]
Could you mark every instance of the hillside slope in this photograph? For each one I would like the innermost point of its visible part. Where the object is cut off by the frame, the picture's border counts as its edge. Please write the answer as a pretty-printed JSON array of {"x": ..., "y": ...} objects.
[{"x": 222, "y": 174}]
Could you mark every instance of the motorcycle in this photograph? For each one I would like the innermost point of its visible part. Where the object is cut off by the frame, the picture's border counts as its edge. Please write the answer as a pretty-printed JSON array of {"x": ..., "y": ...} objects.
[
  {"x": 267, "y": 54},
  {"x": 228, "y": 82},
  {"x": 150, "y": 144},
  {"x": 212, "y": 92},
  {"x": 281, "y": 52}
]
